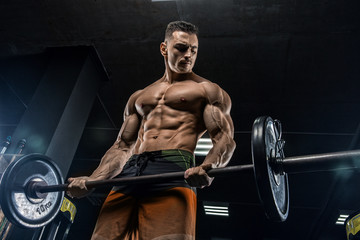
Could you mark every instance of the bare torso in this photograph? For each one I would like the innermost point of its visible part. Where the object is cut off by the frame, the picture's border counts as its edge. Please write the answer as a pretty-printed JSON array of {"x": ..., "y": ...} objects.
[{"x": 172, "y": 115}]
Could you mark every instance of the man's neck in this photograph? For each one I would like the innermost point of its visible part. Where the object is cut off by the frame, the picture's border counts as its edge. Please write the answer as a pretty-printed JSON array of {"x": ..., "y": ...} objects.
[{"x": 172, "y": 77}]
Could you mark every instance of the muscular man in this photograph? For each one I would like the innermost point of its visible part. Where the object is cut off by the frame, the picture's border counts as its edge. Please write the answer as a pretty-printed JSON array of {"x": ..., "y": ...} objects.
[{"x": 162, "y": 124}]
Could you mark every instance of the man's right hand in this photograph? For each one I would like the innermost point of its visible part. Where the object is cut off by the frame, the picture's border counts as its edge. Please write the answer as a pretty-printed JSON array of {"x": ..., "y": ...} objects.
[{"x": 77, "y": 187}]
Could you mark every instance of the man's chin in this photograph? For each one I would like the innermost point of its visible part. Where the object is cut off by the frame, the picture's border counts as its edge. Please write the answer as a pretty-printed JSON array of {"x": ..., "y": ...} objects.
[{"x": 184, "y": 70}]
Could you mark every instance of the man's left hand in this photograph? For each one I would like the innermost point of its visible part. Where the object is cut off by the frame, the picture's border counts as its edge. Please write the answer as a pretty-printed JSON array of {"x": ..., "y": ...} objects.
[{"x": 197, "y": 176}]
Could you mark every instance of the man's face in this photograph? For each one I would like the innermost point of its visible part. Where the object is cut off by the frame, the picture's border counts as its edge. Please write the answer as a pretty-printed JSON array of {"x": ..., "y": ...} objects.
[{"x": 181, "y": 51}]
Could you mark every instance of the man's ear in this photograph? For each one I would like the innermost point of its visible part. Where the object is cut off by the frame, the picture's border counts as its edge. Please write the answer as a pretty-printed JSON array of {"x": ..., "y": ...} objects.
[{"x": 163, "y": 49}]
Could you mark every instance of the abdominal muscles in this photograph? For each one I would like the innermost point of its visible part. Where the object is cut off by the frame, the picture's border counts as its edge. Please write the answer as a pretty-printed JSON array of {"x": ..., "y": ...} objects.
[{"x": 167, "y": 128}]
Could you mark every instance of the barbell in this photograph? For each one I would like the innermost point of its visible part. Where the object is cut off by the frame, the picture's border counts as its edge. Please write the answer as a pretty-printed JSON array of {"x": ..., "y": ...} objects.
[{"x": 32, "y": 188}]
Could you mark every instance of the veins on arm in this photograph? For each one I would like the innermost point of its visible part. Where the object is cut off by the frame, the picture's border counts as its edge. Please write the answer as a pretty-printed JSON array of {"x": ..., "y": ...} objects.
[
  {"x": 220, "y": 127},
  {"x": 115, "y": 158}
]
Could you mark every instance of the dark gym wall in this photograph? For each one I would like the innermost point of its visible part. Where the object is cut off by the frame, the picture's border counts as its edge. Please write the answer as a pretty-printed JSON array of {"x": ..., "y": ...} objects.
[
  {"x": 297, "y": 61},
  {"x": 53, "y": 109}
]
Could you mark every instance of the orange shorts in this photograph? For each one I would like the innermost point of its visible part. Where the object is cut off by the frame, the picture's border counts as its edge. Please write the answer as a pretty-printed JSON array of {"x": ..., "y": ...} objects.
[{"x": 165, "y": 215}]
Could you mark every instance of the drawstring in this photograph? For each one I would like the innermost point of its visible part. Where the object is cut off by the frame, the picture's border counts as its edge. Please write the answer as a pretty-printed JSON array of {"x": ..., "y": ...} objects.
[{"x": 140, "y": 161}]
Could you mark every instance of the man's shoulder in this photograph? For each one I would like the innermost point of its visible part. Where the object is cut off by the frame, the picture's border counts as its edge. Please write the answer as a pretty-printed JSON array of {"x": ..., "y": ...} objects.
[
  {"x": 210, "y": 87},
  {"x": 135, "y": 95},
  {"x": 206, "y": 84},
  {"x": 215, "y": 94}
]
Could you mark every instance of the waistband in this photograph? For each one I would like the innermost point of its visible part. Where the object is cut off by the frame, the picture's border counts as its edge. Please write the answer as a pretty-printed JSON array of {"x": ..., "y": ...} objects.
[
  {"x": 140, "y": 161},
  {"x": 167, "y": 152}
]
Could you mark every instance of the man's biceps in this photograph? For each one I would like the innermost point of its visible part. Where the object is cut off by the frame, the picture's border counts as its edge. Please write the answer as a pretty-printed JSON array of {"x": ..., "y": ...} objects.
[
  {"x": 212, "y": 117},
  {"x": 130, "y": 128},
  {"x": 132, "y": 122},
  {"x": 230, "y": 124},
  {"x": 212, "y": 112}
]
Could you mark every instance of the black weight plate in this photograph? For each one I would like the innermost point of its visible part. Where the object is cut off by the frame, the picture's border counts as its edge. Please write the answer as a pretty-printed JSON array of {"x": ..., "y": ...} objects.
[
  {"x": 18, "y": 207},
  {"x": 273, "y": 188}
]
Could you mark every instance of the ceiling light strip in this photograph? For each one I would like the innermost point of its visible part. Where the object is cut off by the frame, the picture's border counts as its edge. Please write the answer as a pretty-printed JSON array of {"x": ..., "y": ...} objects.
[
  {"x": 203, "y": 146},
  {"x": 214, "y": 207},
  {"x": 341, "y": 220},
  {"x": 201, "y": 153},
  {"x": 216, "y": 210},
  {"x": 217, "y": 214}
]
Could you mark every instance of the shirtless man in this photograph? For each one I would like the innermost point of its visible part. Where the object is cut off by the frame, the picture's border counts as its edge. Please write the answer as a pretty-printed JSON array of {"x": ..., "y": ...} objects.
[{"x": 162, "y": 124}]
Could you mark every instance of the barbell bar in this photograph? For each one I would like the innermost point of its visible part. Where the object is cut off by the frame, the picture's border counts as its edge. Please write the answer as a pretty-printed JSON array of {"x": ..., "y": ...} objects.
[
  {"x": 297, "y": 164},
  {"x": 154, "y": 178},
  {"x": 320, "y": 162},
  {"x": 32, "y": 188}
]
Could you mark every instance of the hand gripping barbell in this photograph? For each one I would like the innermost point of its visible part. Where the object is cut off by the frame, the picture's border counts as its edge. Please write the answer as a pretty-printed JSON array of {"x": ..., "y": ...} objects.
[{"x": 32, "y": 188}]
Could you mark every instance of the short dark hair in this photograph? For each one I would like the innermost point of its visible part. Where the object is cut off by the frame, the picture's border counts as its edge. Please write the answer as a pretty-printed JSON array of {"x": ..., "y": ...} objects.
[{"x": 180, "y": 26}]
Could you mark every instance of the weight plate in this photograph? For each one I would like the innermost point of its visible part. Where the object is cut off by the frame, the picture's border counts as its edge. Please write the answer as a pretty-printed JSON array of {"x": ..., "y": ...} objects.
[
  {"x": 273, "y": 188},
  {"x": 18, "y": 207}
]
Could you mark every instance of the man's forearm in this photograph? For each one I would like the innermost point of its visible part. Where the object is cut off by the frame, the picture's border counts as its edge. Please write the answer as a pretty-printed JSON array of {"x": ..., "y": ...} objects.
[
  {"x": 112, "y": 163},
  {"x": 221, "y": 152}
]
